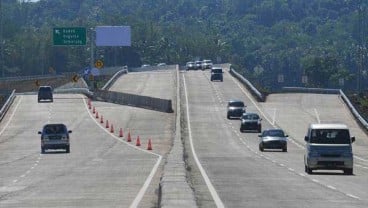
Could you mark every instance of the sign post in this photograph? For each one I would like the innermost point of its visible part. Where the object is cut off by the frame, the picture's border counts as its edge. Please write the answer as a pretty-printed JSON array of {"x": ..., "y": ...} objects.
[{"x": 69, "y": 36}]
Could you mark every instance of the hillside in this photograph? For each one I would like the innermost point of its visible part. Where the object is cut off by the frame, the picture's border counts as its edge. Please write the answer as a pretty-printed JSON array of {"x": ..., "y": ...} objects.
[{"x": 321, "y": 39}]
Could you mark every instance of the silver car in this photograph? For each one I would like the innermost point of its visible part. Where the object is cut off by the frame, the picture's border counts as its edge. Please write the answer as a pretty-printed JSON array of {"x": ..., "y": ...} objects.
[
  {"x": 55, "y": 136},
  {"x": 273, "y": 139},
  {"x": 328, "y": 147}
]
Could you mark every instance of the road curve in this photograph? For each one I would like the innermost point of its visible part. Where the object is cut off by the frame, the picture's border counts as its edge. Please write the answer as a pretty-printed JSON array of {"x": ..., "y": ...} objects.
[
  {"x": 241, "y": 175},
  {"x": 102, "y": 169}
]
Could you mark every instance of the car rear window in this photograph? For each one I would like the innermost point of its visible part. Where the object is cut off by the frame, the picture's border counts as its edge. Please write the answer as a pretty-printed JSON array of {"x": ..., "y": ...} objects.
[
  {"x": 236, "y": 104},
  {"x": 251, "y": 116},
  {"x": 55, "y": 129},
  {"x": 216, "y": 71}
]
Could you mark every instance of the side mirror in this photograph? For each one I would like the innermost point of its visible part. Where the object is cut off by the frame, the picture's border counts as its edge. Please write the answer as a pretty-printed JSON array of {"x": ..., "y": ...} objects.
[
  {"x": 306, "y": 138},
  {"x": 259, "y": 135},
  {"x": 352, "y": 139},
  {"x": 70, "y": 131},
  {"x": 286, "y": 135},
  {"x": 39, "y": 132}
]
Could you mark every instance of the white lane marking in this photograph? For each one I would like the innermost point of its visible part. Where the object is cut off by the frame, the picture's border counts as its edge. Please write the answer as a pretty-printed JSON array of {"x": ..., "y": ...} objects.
[
  {"x": 315, "y": 180},
  {"x": 146, "y": 184},
  {"x": 352, "y": 196},
  {"x": 317, "y": 115},
  {"x": 359, "y": 158},
  {"x": 274, "y": 117},
  {"x": 211, "y": 188},
  {"x": 332, "y": 187}
]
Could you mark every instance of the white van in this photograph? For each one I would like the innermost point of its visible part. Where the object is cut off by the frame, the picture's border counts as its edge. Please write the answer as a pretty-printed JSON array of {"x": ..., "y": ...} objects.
[{"x": 329, "y": 147}]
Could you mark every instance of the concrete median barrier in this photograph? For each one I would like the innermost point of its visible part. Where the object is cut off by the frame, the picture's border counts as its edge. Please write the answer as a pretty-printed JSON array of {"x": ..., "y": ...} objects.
[{"x": 157, "y": 104}]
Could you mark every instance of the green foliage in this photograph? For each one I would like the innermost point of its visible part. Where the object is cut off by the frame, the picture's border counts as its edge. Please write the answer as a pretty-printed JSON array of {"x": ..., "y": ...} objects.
[{"x": 324, "y": 39}]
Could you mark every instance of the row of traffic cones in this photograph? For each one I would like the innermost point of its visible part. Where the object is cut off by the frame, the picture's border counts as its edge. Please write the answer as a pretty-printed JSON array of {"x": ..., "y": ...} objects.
[{"x": 121, "y": 134}]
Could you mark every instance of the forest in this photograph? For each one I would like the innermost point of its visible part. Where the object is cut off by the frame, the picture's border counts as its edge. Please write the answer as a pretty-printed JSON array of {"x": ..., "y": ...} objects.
[{"x": 274, "y": 43}]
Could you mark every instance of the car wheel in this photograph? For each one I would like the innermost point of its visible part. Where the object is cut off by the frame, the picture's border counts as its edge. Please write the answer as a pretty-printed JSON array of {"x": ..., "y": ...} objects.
[
  {"x": 308, "y": 170},
  {"x": 284, "y": 149},
  {"x": 67, "y": 149},
  {"x": 261, "y": 148},
  {"x": 259, "y": 129},
  {"x": 43, "y": 150},
  {"x": 348, "y": 171}
]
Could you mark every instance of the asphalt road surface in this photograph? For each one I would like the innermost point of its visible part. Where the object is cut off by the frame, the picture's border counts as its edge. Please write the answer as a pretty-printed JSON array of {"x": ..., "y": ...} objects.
[
  {"x": 228, "y": 170},
  {"x": 225, "y": 167},
  {"x": 102, "y": 169}
]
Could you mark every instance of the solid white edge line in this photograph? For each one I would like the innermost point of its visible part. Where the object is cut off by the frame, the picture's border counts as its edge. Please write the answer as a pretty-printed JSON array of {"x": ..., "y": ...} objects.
[
  {"x": 317, "y": 115},
  {"x": 211, "y": 188},
  {"x": 146, "y": 184}
]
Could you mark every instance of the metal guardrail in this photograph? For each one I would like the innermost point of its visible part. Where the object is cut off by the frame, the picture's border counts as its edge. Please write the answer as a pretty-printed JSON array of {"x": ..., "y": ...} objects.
[
  {"x": 19, "y": 78},
  {"x": 7, "y": 104},
  {"x": 259, "y": 96},
  {"x": 351, "y": 107},
  {"x": 114, "y": 78}
]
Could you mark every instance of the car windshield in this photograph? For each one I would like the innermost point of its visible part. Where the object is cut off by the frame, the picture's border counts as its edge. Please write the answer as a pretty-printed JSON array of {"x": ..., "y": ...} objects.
[
  {"x": 330, "y": 136},
  {"x": 236, "y": 104},
  {"x": 250, "y": 117},
  {"x": 274, "y": 133}
]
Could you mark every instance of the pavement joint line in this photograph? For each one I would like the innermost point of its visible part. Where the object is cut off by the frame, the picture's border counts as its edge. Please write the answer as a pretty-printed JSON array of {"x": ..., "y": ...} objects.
[
  {"x": 315, "y": 180},
  {"x": 148, "y": 180},
  {"x": 211, "y": 188}
]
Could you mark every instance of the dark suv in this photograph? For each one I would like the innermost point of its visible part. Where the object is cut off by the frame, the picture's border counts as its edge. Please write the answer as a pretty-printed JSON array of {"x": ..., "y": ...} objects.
[
  {"x": 45, "y": 93},
  {"x": 235, "y": 108},
  {"x": 55, "y": 136},
  {"x": 251, "y": 121},
  {"x": 217, "y": 74}
]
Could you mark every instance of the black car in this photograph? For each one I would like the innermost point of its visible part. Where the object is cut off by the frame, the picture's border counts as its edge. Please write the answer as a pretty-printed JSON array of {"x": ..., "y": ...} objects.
[
  {"x": 45, "y": 94},
  {"x": 217, "y": 74},
  {"x": 251, "y": 121},
  {"x": 273, "y": 139},
  {"x": 235, "y": 108},
  {"x": 55, "y": 136}
]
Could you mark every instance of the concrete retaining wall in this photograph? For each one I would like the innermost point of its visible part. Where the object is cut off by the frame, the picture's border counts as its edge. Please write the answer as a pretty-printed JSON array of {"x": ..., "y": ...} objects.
[{"x": 140, "y": 101}]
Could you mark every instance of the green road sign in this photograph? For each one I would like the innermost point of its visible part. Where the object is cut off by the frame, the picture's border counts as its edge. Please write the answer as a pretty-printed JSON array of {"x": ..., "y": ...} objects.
[{"x": 74, "y": 36}]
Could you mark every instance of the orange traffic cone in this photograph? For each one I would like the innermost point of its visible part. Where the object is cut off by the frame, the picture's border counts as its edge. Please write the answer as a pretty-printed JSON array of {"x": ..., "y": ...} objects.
[
  {"x": 112, "y": 129},
  {"x": 129, "y": 139},
  {"x": 101, "y": 121},
  {"x": 107, "y": 124},
  {"x": 96, "y": 114},
  {"x": 149, "y": 145},
  {"x": 94, "y": 110},
  {"x": 138, "y": 142},
  {"x": 121, "y": 132}
]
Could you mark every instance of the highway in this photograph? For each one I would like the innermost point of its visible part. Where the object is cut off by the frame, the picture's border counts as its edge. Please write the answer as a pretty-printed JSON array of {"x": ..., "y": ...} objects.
[
  {"x": 228, "y": 170},
  {"x": 224, "y": 166},
  {"x": 102, "y": 169}
]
